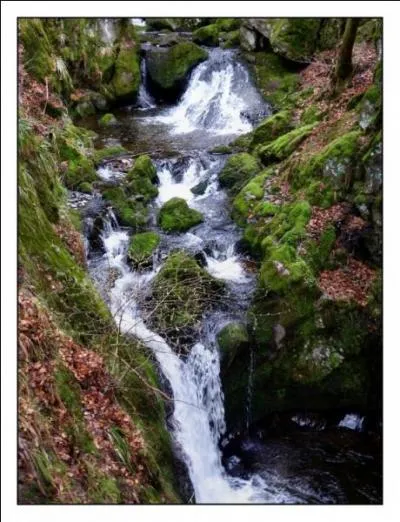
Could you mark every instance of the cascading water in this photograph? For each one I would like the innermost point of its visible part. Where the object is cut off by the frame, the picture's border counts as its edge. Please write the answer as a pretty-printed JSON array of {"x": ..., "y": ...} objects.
[
  {"x": 220, "y": 102},
  {"x": 220, "y": 98},
  {"x": 145, "y": 99}
]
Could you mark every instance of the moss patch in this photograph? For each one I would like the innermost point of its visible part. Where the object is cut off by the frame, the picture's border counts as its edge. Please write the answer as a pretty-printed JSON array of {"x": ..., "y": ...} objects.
[
  {"x": 142, "y": 246},
  {"x": 237, "y": 171},
  {"x": 176, "y": 216}
]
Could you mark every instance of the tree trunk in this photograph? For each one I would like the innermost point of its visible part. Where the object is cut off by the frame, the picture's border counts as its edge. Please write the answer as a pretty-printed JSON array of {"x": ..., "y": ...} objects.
[{"x": 344, "y": 66}]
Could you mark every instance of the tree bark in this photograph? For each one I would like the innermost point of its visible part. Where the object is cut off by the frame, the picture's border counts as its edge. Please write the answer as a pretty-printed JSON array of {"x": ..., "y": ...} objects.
[{"x": 344, "y": 66}]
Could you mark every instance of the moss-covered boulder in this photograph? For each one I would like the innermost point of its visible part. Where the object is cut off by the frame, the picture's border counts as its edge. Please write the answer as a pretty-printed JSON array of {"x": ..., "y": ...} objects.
[
  {"x": 176, "y": 216},
  {"x": 141, "y": 179},
  {"x": 237, "y": 171},
  {"x": 295, "y": 39},
  {"x": 142, "y": 247},
  {"x": 126, "y": 78},
  {"x": 168, "y": 69},
  {"x": 283, "y": 146},
  {"x": 277, "y": 83},
  {"x": 108, "y": 120},
  {"x": 100, "y": 155},
  {"x": 181, "y": 293},
  {"x": 231, "y": 340},
  {"x": 208, "y": 35},
  {"x": 130, "y": 212},
  {"x": 75, "y": 146},
  {"x": 271, "y": 128},
  {"x": 249, "y": 200},
  {"x": 333, "y": 170}
]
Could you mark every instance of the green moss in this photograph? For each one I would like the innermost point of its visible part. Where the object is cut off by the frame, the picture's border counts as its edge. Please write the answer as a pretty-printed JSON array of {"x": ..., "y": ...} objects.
[
  {"x": 108, "y": 120},
  {"x": 318, "y": 252},
  {"x": 207, "y": 35},
  {"x": 283, "y": 146},
  {"x": 220, "y": 149},
  {"x": 131, "y": 213},
  {"x": 228, "y": 24},
  {"x": 80, "y": 172},
  {"x": 86, "y": 187},
  {"x": 169, "y": 68},
  {"x": 176, "y": 216},
  {"x": 333, "y": 165},
  {"x": 248, "y": 197},
  {"x": 311, "y": 115},
  {"x": 230, "y": 39},
  {"x": 143, "y": 167},
  {"x": 142, "y": 247},
  {"x": 126, "y": 78},
  {"x": 274, "y": 80},
  {"x": 231, "y": 340},
  {"x": 183, "y": 291},
  {"x": 272, "y": 127},
  {"x": 293, "y": 38},
  {"x": 237, "y": 171},
  {"x": 108, "y": 152}
]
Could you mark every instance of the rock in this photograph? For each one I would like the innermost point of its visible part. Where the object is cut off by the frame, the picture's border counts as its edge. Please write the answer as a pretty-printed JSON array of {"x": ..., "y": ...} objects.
[
  {"x": 126, "y": 77},
  {"x": 141, "y": 179},
  {"x": 295, "y": 39},
  {"x": 182, "y": 292},
  {"x": 271, "y": 128},
  {"x": 168, "y": 69},
  {"x": 176, "y": 216},
  {"x": 108, "y": 120},
  {"x": 208, "y": 35},
  {"x": 142, "y": 247},
  {"x": 231, "y": 340},
  {"x": 238, "y": 169},
  {"x": 279, "y": 335},
  {"x": 200, "y": 188},
  {"x": 248, "y": 38},
  {"x": 130, "y": 213}
]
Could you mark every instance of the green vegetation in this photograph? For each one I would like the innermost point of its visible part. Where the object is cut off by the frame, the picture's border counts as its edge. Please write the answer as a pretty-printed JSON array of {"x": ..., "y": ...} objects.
[
  {"x": 183, "y": 291},
  {"x": 107, "y": 120},
  {"x": 272, "y": 127},
  {"x": 176, "y": 216},
  {"x": 168, "y": 68},
  {"x": 283, "y": 146},
  {"x": 237, "y": 171},
  {"x": 142, "y": 247}
]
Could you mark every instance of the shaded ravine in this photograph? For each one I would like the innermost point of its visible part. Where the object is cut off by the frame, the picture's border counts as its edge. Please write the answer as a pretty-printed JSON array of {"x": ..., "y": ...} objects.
[
  {"x": 219, "y": 104},
  {"x": 198, "y": 417}
]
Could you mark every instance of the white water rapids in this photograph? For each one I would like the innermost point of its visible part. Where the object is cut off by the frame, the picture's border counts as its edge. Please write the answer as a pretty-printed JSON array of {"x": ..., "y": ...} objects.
[{"x": 217, "y": 98}]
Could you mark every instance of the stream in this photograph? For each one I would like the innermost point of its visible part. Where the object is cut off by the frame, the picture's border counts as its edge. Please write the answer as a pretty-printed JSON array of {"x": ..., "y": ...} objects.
[{"x": 219, "y": 104}]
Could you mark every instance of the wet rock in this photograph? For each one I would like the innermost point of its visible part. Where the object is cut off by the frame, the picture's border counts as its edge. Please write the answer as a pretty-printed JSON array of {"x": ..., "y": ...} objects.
[
  {"x": 200, "y": 188},
  {"x": 176, "y": 216}
]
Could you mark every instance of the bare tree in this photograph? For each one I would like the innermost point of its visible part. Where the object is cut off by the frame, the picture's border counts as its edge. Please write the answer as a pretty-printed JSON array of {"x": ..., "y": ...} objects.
[{"x": 344, "y": 66}]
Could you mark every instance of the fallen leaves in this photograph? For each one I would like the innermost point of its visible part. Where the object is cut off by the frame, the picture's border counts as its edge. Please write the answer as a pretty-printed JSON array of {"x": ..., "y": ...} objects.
[{"x": 348, "y": 283}]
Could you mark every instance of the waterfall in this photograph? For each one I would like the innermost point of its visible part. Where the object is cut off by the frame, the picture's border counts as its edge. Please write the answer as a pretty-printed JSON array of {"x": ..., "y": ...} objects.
[
  {"x": 145, "y": 99},
  {"x": 220, "y": 98}
]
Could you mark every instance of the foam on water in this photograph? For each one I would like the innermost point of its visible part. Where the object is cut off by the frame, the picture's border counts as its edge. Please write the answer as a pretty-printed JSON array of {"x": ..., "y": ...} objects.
[{"x": 220, "y": 98}]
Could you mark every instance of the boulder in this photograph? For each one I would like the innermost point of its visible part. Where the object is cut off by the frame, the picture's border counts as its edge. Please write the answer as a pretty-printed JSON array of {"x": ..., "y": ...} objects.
[
  {"x": 176, "y": 216},
  {"x": 168, "y": 68},
  {"x": 142, "y": 247}
]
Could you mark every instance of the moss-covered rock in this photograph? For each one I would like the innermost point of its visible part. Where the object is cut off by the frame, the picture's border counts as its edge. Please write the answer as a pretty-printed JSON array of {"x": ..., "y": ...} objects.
[
  {"x": 237, "y": 171},
  {"x": 142, "y": 247},
  {"x": 283, "y": 146},
  {"x": 108, "y": 120},
  {"x": 333, "y": 169},
  {"x": 130, "y": 212},
  {"x": 293, "y": 38},
  {"x": 208, "y": 35},
  {"x": 230, "y": 39},
  {"x": 100, "y": 155},
  {"x": 183, "y": 291},
  {"x": 126, "y": 77},
  {"x": 141, "y": 179},
  {"x": 168, "y": 69},
  {"x": 176, "y": 216},
  {"x": 86, "y": 187},
  {"x": 276, "y": 82},
  {"x": 271, "y": 128},
  {"x": 248, "y": 199},
  {"x": 231, "y": 340}
]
